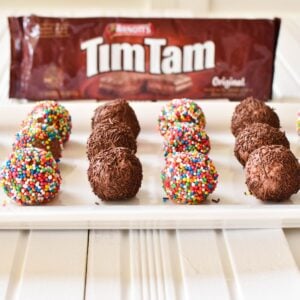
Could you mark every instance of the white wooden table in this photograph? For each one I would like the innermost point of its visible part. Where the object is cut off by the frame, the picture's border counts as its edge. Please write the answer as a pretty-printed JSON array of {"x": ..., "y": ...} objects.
[{"x": 158, "y": 264}]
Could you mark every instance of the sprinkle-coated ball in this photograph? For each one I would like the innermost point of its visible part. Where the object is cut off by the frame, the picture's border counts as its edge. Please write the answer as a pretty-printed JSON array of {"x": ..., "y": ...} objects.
[
  {"x": 30, "y": 176},
  {"x": 52, "y": 113},
  {"x": 180, "y": 110},
  {"x": 39, "y": 135},
  {"x": 189, "y": 177},
  {"x": 186, "y": 137}
]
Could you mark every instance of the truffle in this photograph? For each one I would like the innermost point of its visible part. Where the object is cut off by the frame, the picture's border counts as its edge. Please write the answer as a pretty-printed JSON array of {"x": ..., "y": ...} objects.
[
  {"x": 188, "y": 178},
  {"x": 118, "y": 110},
  {"x": 256, "y": 135},
  {"x": 115, "y": 174},
  {"x": 52, "y": 113},
  {"x": 180, "y": 110},
  {"x": 186, "y": 137},
  {"x": 106, "y": 135},
  {"x": 272, "y": 173},
  {"x": 30, "y": 176},
  {"x": 251, "y": 111},
  {"x": 40, "y": 136}
]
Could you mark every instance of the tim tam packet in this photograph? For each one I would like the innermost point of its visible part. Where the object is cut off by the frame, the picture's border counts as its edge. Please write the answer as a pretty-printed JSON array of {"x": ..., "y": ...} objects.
[{"x": 103, "y": 58}]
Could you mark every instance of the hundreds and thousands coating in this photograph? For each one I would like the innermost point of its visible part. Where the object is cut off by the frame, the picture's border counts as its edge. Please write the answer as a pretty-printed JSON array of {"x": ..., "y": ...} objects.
[
  {"x": 186, "y": 137},
  {"x": 52, "y": 113},
  {"x": 30, "y": 176},
  {"x": 180, "y": 110},
  {"x": 189, "y": 177},
  {"x": 40, "y": 136}
]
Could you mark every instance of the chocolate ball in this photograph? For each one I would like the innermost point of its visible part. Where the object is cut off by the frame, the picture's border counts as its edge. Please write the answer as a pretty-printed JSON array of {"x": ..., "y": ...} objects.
[
  {"x": 256, "y": 135},
  {"x": 251, "y": 111},
  {"x": 106, "y": 135},
  {"x": 115, "y": 174},
  {"x": 117, "y": 110},
  {"x": 272, "y": 173}
]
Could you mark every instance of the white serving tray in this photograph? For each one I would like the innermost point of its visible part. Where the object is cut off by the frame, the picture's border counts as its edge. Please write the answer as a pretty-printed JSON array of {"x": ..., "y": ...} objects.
[{"x": 77, "y": 207}]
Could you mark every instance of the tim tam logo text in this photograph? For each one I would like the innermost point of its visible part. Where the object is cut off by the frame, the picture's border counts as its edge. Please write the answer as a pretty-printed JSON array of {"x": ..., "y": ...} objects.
[{"x": 163, "y": 58}]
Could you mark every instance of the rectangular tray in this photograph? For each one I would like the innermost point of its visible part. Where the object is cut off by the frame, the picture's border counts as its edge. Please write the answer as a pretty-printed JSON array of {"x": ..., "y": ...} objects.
[{"x": 77, "y": 207}]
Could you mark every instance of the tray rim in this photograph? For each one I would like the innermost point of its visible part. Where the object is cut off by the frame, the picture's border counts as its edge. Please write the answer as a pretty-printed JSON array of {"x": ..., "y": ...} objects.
[
  {"x": 228, "y": 216},
  {"x": 158, "y": 216}
]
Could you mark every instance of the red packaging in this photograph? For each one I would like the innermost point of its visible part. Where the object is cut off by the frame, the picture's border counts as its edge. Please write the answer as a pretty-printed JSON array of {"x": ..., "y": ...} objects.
[{"x": 104, "y": 58}]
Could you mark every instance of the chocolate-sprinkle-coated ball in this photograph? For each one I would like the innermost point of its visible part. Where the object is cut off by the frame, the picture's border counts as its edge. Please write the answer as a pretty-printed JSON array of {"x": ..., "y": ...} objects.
[
  {"x": 272, "y": 173},
  {"x": 106, "y": 135},
  {"x": 30, "y": 176},
  {"x": 118, "y": 110},
  {"x": 52, "y": 113},
  {"x": 186, "y": 137},
  {"x": 256, "y": 135},
  {"x": 189, "y": 177},
  {"x": 115, "y": 174},
  {"x": 40, "y": 136},
  {"x": 180, "y": 110},
  {"x": 251, "y": 111}
]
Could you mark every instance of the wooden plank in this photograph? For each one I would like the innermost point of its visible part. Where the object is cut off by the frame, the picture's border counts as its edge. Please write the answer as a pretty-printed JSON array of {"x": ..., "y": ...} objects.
[
  {"x": 108, "y": 265},
  {"x": 146, "y": 265},
  {"x": 201, "y": 265},
  {"x": 11, "y": 260},
  {"x": 170, "y": 261},
  {"x": 154, "y": 265},
  {"x": 293, "y": 238},
  {"x": 54, "y": 265},
  {"x": 127, "y": 265},
  {"x": 263, "y": 265}
]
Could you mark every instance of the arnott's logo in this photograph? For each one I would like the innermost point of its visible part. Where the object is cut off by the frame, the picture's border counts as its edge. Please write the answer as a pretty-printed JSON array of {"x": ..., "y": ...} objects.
[
  {"x": 163, "y": 58},
  {"x": 123, "y": 29}
]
